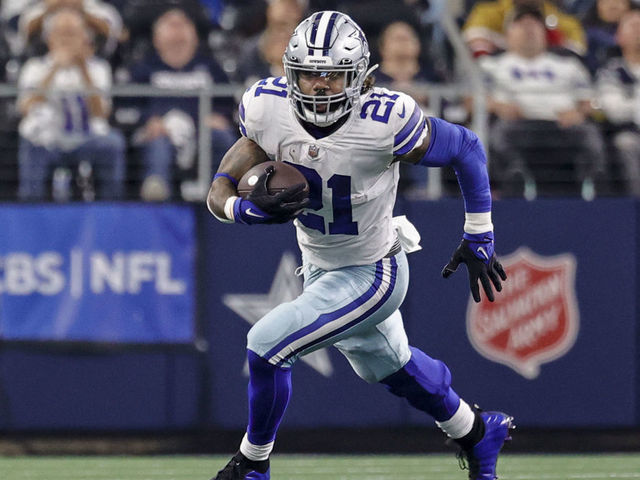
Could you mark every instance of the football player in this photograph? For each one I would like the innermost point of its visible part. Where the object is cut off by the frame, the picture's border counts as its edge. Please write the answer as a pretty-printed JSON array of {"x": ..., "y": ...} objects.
[{"x": 347, "y": 138}]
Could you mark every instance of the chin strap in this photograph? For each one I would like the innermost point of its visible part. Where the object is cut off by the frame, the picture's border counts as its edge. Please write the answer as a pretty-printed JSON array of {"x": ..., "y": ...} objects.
[{"x": 371, "y": 70}]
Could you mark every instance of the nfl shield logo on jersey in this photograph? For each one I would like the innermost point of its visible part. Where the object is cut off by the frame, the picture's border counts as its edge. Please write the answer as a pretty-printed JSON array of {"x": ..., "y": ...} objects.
[
  {"x": 534, "y": 319},
  {"x": 313, "y": 151}
]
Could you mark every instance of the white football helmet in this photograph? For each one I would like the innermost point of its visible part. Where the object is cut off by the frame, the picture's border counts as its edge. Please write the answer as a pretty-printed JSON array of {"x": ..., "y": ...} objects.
[{"x": 327, "y": 44}]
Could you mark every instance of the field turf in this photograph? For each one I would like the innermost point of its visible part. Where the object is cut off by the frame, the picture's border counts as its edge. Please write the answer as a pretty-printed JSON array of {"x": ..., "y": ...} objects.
[{"x": 320, "y": 467}]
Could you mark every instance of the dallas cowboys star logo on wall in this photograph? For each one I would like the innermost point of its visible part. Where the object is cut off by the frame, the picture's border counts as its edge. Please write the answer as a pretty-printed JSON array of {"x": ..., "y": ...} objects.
[{"x": 286, "y": 286}]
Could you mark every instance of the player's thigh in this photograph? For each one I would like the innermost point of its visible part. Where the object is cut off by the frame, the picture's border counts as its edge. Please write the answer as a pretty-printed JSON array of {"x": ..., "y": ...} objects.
[
  {"x": 378, "y": 351},
  {"x": 334, "y": 305}
]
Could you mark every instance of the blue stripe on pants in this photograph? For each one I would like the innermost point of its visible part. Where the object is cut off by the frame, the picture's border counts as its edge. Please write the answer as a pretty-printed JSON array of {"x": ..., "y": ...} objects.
[
  {"x": 357, "y": 320},
  {"x": 333, "y": 305},
  {"x": 329, "y": 317}
]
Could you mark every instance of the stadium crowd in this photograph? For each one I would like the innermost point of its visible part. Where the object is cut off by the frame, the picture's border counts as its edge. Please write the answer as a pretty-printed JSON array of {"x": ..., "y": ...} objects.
[{"x": 562, "y": 85}]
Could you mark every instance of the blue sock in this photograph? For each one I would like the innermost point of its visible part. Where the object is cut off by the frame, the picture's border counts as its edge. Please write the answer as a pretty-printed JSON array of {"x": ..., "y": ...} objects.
[
  {"x": 426, "y": 384},
  {"x": 269, "y": 392}
]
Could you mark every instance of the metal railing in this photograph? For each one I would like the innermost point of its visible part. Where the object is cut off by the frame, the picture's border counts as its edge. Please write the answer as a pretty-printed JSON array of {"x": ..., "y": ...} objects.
[
  {"x": 468, "y": 84},
  {"x": 196, "y": 189}
]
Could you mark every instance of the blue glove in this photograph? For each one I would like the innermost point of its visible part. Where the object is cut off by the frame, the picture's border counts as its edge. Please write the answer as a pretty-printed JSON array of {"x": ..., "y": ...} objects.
[
  {"x": 477, "y": 252},
  {"x": 481, "y": 244},
  {"x": 260, "y": 206},
  {"x": 245, "y": 211}
]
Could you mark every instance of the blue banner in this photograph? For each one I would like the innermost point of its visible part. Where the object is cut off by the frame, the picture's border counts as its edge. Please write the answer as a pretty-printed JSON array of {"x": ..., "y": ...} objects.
[
  {"x": 558, "y": 348},
  {"x": 104, "y": 272}
]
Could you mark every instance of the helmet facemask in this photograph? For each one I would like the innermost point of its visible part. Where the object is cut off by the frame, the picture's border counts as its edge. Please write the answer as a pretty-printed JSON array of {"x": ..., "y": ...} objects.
[{"x": 318, "y": 108}]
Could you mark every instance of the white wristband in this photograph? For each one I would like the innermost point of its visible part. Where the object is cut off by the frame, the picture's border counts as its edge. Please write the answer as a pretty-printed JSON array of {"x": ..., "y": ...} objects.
[
  {"x": 228, "y": 207},
  {"x": 223, "y": 220},
  {"x": 478, "y": 223}
]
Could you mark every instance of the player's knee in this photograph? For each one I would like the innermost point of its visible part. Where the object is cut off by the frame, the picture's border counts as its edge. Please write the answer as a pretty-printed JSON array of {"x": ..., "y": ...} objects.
[
  {"x": 259, "y": 339},
  {"x": 369, "y": 377},
  {"x": 376, "y": 376},
  {"x": 367, "y": 373},
  {"x": 373, "y": 371},
  {"x": 253, "y": 338}
]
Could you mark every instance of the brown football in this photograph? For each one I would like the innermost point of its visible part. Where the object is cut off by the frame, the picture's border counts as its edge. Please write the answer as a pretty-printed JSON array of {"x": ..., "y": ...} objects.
[{"x": 284, "y": 176}]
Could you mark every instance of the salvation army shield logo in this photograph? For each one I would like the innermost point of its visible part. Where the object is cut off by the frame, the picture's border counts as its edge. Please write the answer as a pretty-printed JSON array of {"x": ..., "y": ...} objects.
[{"x": 534, "y": 319}]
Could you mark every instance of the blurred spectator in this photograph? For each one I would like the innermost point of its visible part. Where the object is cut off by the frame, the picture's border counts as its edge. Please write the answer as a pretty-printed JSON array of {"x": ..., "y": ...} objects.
[
  {"x": 169, "y": 135},
  {"x": 103, "y": 21},
  {"x": 400, "y": 69},
  {"x": 484, "y": 28},
  {"x": 245, "y": 18},
  {"x": 600, "y": 24},
  {"x": 140, "y": 15},
  {"x": 542, "y": 103},
  {"x": 262, "y": 55},
  {"x": 618, "y": 88},
  {"x": 400, "y": 65},
  {"x": 64, "y": 104},
  {"x": 373, "y": 16}
]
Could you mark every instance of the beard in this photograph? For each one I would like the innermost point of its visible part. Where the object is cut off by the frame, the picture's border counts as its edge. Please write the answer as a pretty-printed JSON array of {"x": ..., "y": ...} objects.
[{"x": 323, "y": 106}]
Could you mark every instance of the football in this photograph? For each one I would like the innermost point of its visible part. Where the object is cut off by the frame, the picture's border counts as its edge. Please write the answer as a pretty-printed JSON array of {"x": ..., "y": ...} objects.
[{"x": 284, "y": 176}]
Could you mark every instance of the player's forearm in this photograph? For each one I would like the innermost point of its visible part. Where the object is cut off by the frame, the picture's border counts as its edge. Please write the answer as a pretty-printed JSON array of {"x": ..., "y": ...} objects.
[
  {"x": 460, "y": 148},
  {"x": 243, "y": 155},
  {"x": 221, "y": 190}
]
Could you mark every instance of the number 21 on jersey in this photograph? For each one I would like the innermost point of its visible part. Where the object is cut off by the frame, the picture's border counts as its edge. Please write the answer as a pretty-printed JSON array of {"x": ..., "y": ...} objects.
[{"x": 340, "y": 186}]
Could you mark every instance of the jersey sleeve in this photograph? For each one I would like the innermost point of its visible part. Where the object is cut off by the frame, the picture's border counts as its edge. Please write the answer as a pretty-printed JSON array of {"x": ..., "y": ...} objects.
[
  {"x": 409, "y": 124},
  {"x": 256, "y": 105}
]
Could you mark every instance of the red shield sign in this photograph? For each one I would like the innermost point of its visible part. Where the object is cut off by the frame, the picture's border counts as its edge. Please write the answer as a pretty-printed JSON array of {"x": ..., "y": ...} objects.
[{"x": 534, "y": 319}]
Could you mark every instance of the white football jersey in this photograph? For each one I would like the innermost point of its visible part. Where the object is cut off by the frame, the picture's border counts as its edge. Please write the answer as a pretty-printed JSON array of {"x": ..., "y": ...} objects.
[{"x": 352, "y": 177}]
